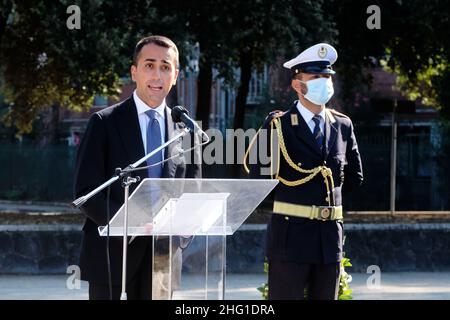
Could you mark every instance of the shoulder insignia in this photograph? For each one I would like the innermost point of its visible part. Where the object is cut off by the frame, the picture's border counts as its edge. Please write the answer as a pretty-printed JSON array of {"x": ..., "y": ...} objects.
[{"x": 273, "y": 115}]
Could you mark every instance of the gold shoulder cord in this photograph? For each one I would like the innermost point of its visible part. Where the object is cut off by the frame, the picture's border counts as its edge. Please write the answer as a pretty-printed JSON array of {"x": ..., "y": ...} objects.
[
  {"x": 326, "y": 172},
  {"x": 252, "y": 142}
]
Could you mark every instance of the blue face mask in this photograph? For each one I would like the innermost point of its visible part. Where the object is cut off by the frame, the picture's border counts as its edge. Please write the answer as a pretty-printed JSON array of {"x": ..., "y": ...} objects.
[{"x": 320, "y": 90}]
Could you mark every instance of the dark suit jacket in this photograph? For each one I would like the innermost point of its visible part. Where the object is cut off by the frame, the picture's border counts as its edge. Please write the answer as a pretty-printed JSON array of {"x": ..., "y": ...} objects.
[
  {"x": 113, "y": 139},
  {"x": 301, "y": 239}
]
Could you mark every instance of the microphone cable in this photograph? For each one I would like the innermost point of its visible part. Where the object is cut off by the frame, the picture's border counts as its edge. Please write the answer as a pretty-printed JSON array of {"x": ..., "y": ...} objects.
[{"x": 108, "y": 261}]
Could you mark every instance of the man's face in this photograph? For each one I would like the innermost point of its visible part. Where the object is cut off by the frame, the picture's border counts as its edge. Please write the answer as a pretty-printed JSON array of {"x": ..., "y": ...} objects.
[
  {"x": 299, "y": 84},
  {"x": 154, "y": 74}
]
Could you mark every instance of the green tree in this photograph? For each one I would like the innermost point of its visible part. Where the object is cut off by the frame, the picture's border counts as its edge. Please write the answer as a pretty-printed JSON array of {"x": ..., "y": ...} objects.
[
  {"x": 418, "y": 53},
  {"x": 264, "y": 31},
  {"x": 270, "y": 29},
  {"x": 44, "y": 64},
  {"x": 6, "y": 8},
  {"x": 245, "y": 35},
  {"x": 201, "y": 22},
  {"x": 412, "y": 42}
]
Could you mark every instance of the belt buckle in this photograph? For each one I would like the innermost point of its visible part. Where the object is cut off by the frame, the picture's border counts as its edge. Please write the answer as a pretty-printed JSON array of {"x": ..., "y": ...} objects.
[{"x": 325, "y": 213}]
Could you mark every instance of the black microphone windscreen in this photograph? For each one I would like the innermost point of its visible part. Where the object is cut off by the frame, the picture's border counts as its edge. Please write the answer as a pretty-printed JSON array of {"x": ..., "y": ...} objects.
[{"x": 177, "y": 111}]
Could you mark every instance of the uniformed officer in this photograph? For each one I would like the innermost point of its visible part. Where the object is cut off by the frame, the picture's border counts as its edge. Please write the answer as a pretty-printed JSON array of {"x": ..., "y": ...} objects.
[{"x": 315, "y": 158}]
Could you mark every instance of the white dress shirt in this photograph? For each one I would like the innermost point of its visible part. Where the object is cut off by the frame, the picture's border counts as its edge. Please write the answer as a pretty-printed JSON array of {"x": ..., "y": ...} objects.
[
  {"x": 144, "y": 120},
  {"x": 308, "y": 117}
]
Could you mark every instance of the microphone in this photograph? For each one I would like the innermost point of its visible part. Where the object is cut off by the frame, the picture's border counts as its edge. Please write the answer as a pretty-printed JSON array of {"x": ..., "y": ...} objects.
[{"x": 180, "y": 114}]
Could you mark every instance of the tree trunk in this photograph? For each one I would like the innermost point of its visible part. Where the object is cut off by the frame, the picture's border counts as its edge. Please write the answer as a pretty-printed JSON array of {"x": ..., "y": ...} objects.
[
  {"x": 204, "y": 92},
  {"x": 4, "y": 18},
  {"x": 49, "y": 133},
  {"x": 245, "y": 64}
]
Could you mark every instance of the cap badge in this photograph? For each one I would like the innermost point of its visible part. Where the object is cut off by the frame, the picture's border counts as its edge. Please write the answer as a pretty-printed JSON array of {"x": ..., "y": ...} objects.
[{"x": 322, "y": 52}]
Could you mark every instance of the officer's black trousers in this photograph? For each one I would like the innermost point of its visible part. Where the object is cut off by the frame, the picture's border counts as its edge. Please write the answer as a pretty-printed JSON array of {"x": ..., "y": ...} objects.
[{"x": 288, "y": 280}]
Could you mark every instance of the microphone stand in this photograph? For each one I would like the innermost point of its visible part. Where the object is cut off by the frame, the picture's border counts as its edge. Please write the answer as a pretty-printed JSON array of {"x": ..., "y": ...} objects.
[{"x": 126, "y": 182}]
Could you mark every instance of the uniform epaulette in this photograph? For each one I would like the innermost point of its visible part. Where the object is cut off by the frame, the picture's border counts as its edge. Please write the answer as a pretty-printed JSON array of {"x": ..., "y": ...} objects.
[
  {"x": 337, "y": 113},
  {"x": 273, "y": 115}
]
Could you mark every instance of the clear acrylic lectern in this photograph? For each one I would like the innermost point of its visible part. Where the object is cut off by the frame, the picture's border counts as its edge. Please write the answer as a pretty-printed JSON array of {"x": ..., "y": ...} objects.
[{"x": 189, "y": 220}]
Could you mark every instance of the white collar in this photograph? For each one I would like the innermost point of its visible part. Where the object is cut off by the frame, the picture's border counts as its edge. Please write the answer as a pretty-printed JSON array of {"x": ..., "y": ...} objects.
[
  {"x": 142, "y": 107},
  {"x": 308, "y": 115}
]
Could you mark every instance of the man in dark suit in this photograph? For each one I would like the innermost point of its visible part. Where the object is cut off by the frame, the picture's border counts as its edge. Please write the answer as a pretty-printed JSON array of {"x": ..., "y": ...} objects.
[
  {"x": 116, "y": 137},
  {"x": 316, "y": 151}
]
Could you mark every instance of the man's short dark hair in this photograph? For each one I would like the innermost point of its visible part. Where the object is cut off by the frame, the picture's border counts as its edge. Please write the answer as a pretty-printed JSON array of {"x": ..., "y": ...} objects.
[
  {"x": 297, "y": 76},
  {"x": 159, "y": 41}
]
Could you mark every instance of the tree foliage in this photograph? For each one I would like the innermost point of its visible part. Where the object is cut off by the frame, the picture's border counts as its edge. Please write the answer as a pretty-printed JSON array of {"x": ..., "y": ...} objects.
[
  {"x": 412, "y": 42},
  {"x": 43, "y": 62},
  {"x": 418, "y": 52},
  {"x": 270, "y": 29}
]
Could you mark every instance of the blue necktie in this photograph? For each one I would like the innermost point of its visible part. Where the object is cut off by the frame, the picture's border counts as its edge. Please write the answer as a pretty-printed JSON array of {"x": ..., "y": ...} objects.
[
  {"x": 317, "y": 133},
  {"x": 153, "y": 142}
]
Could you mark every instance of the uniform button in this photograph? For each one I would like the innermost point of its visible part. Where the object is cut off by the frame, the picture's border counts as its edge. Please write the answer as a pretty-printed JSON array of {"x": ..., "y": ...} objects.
[
  {"x": 325, "y": 163},
  {"x": 286, "y": 218}
]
